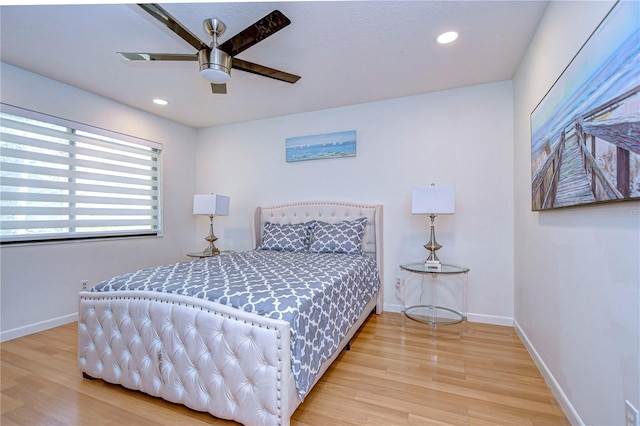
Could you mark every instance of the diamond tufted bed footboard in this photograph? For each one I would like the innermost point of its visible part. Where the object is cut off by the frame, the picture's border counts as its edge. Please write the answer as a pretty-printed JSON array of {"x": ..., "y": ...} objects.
[
  {"x": 209, "y": 357},
  {"x": 189, "y": 351}
]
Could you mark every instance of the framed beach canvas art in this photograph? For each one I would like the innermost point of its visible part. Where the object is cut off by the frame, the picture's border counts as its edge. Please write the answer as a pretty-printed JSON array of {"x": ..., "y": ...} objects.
[
  {"x": 317, "y": 147},
  {"x": 585, "y": 133}
]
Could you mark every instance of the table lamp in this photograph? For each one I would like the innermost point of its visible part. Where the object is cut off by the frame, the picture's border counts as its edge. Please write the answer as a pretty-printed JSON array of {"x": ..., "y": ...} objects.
[
  {"x": 433, "y": 200},
  {"x": 211, "y": 205}
]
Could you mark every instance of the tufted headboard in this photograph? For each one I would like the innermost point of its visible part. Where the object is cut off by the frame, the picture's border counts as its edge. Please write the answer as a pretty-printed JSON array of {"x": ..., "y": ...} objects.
[{"x": 330, "y": 212}]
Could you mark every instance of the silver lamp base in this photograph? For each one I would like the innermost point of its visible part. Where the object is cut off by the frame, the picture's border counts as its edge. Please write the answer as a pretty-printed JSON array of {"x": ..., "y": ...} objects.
[
  {"x": 211, "y": 250},
  {"x": 432, "y": 245}
]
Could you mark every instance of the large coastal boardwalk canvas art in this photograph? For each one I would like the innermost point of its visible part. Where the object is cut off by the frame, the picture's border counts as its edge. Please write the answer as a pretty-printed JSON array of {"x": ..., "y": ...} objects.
[
  {"x": 585, "y": 133},
  {"x": 326, "y": 145}
]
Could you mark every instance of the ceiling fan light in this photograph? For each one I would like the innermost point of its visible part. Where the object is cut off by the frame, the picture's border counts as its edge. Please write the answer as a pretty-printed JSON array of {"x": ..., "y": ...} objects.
[
  {"x": 215, "y": 65},
  {"x": 215, "y": 75}
]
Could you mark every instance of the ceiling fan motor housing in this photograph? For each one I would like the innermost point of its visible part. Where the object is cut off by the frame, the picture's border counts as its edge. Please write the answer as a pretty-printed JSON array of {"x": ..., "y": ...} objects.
[{"x": 215, "y": 65}]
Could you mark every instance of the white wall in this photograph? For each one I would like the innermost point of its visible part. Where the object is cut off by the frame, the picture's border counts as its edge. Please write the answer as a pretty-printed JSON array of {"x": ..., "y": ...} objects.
[
  {"x": 39, "y": 283},
  {"x": 462, "y": 137},
  {"x": 577, "y": 270}
]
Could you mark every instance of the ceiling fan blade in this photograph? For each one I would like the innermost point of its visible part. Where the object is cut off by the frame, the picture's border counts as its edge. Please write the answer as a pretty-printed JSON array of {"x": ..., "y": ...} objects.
[
  {"x": 264, "y": 71},
  {"x": 164, "y": 17},
  {"x": 130, "y": 56},
  {"x": 218, "y": 88},
  {"x": 269, "y": 25}
]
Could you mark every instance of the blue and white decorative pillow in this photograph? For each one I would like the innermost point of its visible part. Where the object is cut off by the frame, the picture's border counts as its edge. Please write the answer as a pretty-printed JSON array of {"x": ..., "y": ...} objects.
[
  {"x": 289, "y": 237},
  {"x": 341, "y": 237}
]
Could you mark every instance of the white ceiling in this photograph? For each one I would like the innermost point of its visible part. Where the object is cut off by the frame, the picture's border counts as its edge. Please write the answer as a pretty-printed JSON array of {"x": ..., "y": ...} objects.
[{"x": 346, "y": 52}]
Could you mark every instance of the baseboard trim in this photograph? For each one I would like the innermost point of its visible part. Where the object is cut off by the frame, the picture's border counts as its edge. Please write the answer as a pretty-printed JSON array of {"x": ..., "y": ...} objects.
[
  {"x": 565, "y": 404},
  {"x": 490, "y": 319},
  {"x": 392, "y": 307},
  {"x": 481, "y": 318},
  {"x": 37, "y": 327}
]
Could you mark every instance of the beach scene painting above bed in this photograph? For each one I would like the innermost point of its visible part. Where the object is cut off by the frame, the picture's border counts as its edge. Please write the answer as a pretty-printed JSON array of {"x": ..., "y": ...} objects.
[{"x": 321, "y": 146}]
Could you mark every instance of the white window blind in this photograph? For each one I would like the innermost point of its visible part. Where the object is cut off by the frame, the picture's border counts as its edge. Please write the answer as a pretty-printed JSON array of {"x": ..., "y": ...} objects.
[{"x": 65, "y": 180}]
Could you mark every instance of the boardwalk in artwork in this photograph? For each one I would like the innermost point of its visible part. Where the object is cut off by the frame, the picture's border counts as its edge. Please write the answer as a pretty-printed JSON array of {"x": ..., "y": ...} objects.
[
  {"x": 573, "y": 186},
  {"x": 585, "y": 133}
]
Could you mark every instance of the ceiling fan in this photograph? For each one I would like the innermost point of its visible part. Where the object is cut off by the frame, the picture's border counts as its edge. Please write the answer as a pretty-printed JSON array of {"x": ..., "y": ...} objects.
[{"x": 217, "y": 60}]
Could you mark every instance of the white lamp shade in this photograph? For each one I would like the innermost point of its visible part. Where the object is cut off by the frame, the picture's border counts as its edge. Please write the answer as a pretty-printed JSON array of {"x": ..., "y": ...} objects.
[
  {"x": 211, "y": 204},
  {"x": 440, "y": 199}
]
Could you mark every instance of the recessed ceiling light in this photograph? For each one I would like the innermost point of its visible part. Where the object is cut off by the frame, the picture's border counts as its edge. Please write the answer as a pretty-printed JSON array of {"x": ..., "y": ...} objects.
[
  {"x": 159, "y": 101},
  {"x": 447, "y": 37}
]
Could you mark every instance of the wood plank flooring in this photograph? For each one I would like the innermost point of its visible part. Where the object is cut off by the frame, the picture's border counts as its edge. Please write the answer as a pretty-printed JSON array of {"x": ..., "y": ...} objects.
[{"x": 398, "y": 372}]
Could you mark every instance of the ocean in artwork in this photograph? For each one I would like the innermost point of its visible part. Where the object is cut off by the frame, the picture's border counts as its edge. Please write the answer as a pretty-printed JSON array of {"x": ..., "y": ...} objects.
[{"x": 322, "y": 146}]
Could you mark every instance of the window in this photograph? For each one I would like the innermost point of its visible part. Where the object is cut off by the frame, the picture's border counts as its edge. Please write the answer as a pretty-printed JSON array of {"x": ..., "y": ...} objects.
[{"x": 66, "y": 180}]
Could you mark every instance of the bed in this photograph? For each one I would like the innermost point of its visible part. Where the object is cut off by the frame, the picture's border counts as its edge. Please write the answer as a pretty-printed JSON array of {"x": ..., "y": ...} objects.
[{"x": 238, "y": 363}]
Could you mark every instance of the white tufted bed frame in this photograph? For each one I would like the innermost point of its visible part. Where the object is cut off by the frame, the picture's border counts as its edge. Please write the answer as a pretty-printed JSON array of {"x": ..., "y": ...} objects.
[{"x": 204, "y": 355}]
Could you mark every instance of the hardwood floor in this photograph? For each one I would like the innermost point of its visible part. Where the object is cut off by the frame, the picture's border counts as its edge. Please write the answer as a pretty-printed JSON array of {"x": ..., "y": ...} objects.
[{"x": 398, "y": 372}]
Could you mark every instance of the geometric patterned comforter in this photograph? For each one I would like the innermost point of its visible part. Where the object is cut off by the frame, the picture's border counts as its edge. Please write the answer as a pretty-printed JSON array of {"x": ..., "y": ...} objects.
[{"x": 320, "y": 295}]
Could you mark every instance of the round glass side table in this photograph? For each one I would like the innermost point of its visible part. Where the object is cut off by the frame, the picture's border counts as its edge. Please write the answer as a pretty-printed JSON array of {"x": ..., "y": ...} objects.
[
  {"x": 201, "y": 255},
  {"x": 433, "y": 313}
]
